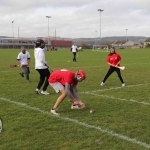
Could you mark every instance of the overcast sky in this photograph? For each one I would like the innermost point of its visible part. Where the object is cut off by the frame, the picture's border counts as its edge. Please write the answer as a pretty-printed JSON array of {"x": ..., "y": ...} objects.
[{"x": 75, "y": 18}]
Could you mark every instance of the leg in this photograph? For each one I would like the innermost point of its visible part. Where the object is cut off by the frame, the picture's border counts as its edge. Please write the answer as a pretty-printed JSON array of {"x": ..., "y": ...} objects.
[
  {"x": 26, "y": 71},
  {"x": 42, "y": 78},
  {"x": 110, "y": 71},
  {"x": 60, "y": 98},
  {"x": 46, "y": 73},
  {"x": 119, "y": 75}
]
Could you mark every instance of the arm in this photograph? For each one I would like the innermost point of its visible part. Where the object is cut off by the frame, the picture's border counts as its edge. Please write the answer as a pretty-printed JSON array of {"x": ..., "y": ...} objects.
[
  {"x": 68, "y": 92},
  {"x": 75, "y": 92}
]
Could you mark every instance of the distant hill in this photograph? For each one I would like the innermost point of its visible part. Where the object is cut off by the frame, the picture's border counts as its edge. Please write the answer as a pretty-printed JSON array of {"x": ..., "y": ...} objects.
[{"x": 92, "y": 41}]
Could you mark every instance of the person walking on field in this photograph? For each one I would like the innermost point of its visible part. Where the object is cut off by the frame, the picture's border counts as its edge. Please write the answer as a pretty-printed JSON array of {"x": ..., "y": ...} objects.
[
  {"x": 23, "y": 61},
  {"x": 113, "y": 60},
  {"x": 41, "y": 66},
  {"x": 65, "y": 81},
  {"x": 74, "y": 51}
]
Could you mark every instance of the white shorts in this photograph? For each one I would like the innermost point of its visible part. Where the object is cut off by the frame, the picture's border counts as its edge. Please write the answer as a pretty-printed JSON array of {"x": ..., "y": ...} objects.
[{"x": 57, "y": 86}]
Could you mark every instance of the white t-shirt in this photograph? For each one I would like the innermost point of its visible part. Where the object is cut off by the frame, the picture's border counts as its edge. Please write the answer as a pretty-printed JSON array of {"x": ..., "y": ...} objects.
[
  {"x": 74, "y": 48},
  {"x": 23, "y": 58},
  {"x": 39, "y": 56}
]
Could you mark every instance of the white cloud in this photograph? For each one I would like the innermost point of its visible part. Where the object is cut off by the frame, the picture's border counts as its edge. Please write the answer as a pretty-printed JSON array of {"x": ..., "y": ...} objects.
[{"x": 75, "y": 18}]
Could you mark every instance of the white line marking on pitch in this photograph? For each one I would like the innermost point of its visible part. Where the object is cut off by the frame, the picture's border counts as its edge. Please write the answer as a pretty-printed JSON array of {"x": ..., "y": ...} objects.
[
  {"x": 122, "y": 99},
  {"x": 115, "y": 88},
  {"x": 109, "y": 132}
]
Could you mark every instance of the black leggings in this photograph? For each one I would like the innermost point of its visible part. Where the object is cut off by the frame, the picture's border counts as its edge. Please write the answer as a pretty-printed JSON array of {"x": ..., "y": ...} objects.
[
  {"x": 110, "y": 71},
  {"x": 74, "y": 56},
  {"x": 44, "y": 75}
]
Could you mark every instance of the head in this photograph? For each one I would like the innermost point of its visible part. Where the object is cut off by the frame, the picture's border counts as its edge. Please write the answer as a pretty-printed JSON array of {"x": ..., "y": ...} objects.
[
  {"x": 23, "y": 49},
  {"x": 80, "y": 75},
  {"x": 112, "y": 51},
  {"x": 39, "y": 43}
]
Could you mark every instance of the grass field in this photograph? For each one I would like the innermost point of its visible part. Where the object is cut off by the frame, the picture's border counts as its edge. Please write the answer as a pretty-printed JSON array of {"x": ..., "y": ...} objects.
[{"x": 121, "y": 117}]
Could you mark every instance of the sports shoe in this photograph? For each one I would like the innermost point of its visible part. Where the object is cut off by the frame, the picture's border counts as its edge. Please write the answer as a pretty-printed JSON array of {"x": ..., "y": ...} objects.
[
  {"x": 44, "y": 93},
  {"x": 21, "y": 74},
  {"x": 54, "y": 111},
  {"x": 102, "y": 84},
  {"x": 37, "y": 91},
  {"x": 123, "y": 85},
  {"x": 75, "y": 107},
  {"x": 28, "y": 81}
]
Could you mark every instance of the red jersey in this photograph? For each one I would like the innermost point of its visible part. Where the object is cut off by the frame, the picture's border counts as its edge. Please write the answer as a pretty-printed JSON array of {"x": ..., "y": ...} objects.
[
  {"x": 113, "y": 59},
  {"x": 63, "y": 76}
]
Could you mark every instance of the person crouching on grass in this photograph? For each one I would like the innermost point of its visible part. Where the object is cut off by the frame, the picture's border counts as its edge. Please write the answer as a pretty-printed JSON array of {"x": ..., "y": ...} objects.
[
  {"x": 65, "y": 81},
  {"x": 113, "y": 60}
]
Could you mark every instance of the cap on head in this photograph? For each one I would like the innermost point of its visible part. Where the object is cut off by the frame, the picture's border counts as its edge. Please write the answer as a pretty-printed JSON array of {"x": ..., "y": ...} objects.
[
  {"x": 39, "y": 42},
  {"x": 82, "y": 74}
]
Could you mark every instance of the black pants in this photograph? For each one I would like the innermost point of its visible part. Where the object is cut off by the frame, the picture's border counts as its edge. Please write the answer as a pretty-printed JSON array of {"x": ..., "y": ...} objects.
[
  {"x": 74, "y": 56},
  {"x": 110, "y": 71},
  {"x": 26, "y": 71},
  {"x": 44, "y": 75}
]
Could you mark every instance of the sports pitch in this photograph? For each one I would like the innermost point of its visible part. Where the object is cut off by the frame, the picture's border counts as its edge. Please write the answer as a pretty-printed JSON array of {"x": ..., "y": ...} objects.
[{"x": 121, "y": 117}]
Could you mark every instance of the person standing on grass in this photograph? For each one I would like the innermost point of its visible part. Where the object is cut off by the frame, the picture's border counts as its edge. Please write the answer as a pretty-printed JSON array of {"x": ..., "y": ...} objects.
[
  {"x": 74, "y": 51},
  {"x": 23, "y": 61},
  {"x": 113, "y": 60},
  {"x": 41, "y": 66},
  {"x": 65, "y": 81}
]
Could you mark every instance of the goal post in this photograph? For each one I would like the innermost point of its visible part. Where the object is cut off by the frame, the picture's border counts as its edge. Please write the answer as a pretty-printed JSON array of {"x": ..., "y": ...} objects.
[{"x": 100, "y": 47}]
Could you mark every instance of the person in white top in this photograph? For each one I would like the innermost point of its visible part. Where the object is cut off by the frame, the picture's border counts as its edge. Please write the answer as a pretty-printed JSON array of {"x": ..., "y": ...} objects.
[
  {"x": 74, "y": 51},
  {"x": 23, "y": 61},
  {"x": 41, "y": 66}
]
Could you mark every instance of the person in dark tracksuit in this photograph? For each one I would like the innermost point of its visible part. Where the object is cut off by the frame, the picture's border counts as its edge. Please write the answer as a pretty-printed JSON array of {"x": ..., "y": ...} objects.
[
  {"x": 41, "y": 66},
  {"x": 23, "y": 61},
  {"x": 113, "y": 60}
]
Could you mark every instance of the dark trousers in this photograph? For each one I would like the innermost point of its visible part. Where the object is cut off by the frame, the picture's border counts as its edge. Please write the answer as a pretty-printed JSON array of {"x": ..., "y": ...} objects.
[
  {"x": 26, "y": 71},
  {"x": 44, "y": 75},
  {"x": 74, "y": 56},
  {"x": 110, "y": 71}
]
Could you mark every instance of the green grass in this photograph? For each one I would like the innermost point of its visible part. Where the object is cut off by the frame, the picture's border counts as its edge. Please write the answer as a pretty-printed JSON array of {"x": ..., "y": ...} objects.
[{"x": 121, "y": 118}]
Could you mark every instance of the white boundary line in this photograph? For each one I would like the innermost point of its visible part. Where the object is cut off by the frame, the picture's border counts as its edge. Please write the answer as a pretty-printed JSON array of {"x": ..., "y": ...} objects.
[
  {"x": 122, "y": 99},
  {"x": 115, "y": 88},
  {"x": 109, "y": 132}
]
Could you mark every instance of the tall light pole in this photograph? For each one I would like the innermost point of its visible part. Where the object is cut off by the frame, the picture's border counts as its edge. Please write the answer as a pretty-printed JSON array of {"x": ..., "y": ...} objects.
[
  {"x": 126, "y": 38},
  {"x": 100, "y": 10},
  {"x": 13, "y": 33},
  {"x": 48, "y": 29},
  {"x": 95, "y": 36}
]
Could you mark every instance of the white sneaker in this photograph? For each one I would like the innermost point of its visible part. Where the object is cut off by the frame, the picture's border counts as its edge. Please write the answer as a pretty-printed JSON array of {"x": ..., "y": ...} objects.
[
  {"x": 44, "y": 93},
  {"x": 75, "y": 107},
  {"x": 102, "y": 84},
  {"x": 123, "y": 85},
  {"x": 54, "y": 111},
  {"x": 37, "y": 91}
]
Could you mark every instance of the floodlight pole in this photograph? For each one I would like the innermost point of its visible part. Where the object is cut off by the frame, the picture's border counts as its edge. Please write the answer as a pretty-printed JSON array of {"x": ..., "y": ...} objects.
[
  {"x": 100, "y": 10},
  {"x": 13, "y": 31},
  {"x": 126, "y": 38},
  {"x": 48, "y": 29},
  {"x": 95, "y": 36}
]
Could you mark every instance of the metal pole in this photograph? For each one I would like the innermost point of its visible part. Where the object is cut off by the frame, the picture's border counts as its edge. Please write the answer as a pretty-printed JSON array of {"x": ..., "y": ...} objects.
[
  {"x": 126, "y": 38},
  {"x": 100, "y": 10},
  {"x": 48, "y": 29},
  {"x": 95, "y": 36},
  {"x": 13, "y": 32}
]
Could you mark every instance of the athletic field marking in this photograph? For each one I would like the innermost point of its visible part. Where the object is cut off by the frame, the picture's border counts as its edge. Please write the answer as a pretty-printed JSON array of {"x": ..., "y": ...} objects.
[
  {"x": 109, "y": 132},
  {"x": 115, "y": 88},
  {"x": 122, "y": 99}
]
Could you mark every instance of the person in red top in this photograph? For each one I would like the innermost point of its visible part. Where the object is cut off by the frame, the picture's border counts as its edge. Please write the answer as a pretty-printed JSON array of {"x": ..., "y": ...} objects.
[
  {"x": 113, "y": 60},
  {"x": 65, "y": 81}
]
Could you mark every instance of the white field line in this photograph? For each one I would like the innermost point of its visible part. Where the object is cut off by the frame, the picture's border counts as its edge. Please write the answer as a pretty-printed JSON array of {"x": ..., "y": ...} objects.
[
  {"x": 115, "y": 88},
  {"x": 109, "y": 132},
  {"x": 122, "y": 99}
]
